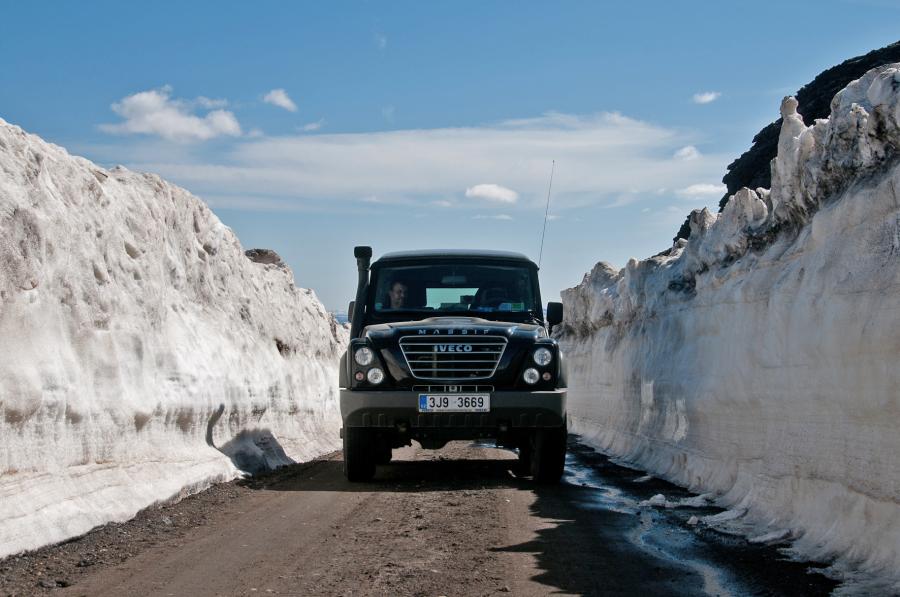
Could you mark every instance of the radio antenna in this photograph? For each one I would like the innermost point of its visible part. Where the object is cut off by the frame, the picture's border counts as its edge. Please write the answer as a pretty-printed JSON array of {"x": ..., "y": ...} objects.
[{"x": 546, "y": 213}]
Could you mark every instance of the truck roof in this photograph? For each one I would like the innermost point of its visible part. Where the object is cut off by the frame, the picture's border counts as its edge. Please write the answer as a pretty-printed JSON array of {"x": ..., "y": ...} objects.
[{"x": 468, "y": 254}]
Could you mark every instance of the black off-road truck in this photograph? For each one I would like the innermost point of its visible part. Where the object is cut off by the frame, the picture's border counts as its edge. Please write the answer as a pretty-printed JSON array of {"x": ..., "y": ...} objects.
[{"x": 452, "y": 345}]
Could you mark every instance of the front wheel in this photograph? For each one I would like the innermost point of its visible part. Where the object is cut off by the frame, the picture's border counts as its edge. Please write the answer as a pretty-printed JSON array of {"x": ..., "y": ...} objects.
[
  {"x": 383, "y": 451},
  {"x": 549, "y": 455},
  {"x": 523, "y": 466},
  {"x": 359, "y": 460}
]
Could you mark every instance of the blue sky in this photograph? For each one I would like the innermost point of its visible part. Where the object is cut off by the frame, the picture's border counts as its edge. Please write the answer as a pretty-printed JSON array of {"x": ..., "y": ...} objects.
[{"x": 417, "y": 124}]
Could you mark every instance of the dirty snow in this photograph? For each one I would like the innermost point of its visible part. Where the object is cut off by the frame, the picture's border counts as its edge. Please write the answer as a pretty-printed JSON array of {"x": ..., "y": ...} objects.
[
  {"x": 758, "y": 361},
  {"x": 136, "y": 338},
  {"x": 660, "y": 501}
]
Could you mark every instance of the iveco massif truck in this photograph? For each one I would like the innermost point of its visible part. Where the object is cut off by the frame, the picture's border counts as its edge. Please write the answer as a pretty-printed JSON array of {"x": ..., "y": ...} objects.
[{"x": 452, "y": 345}]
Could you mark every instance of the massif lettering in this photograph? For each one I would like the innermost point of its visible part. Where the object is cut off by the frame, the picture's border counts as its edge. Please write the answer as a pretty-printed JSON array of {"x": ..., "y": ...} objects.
[{"x": 452, "y": 332}]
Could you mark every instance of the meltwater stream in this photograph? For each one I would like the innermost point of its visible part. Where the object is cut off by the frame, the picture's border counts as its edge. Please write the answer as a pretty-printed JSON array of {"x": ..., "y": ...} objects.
[{"x": 669, "y": 528}]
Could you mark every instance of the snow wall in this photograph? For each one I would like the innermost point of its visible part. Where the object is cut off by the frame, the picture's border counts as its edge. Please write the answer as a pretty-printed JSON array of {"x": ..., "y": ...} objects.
[
  {"x": 759, "y": 359},
  {"x": 143, "y": 355}
]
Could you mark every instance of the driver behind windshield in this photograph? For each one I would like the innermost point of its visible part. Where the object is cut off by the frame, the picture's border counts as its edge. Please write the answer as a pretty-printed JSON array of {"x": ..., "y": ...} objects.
[
  {"x": 455, "y": 288},
  {"x": 397, "y": 295}
]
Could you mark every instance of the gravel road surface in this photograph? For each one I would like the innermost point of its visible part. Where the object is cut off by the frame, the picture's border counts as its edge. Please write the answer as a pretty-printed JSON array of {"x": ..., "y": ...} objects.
[{"x": 454, "y": 522}]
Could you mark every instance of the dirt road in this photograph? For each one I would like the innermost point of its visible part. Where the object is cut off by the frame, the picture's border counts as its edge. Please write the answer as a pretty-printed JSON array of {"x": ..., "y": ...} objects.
[{"x": 454, "y": 522}]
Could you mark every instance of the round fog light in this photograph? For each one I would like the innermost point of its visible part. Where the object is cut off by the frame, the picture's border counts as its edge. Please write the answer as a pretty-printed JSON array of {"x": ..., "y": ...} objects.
[
  {"x": 531, "y": 376},
  {"x": 546, "y": 376},
  {"x": 375, "y": 376},
  {"x": 542, "y": 357},
  {"x": 364, "y": 356},
  {"x": 360, "y": 376}
]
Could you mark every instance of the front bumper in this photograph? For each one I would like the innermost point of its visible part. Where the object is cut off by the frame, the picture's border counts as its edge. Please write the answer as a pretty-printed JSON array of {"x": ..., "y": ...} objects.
[{"x": 398, "y": 408}]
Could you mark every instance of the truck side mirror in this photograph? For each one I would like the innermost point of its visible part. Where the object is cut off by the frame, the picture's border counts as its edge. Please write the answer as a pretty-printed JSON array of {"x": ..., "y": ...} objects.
[
  {"x": 350, "y": 308},
  {"x": 554, "y": 314}
]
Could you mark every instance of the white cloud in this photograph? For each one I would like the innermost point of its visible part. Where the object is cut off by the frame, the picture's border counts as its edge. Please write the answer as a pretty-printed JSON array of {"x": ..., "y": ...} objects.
[
  {"x": 154, "y": 112},
  {"x": 280, "y": 98},
  {"x": 313, "y": 126},
  {"x": 210, "y": 104},
  {"x": 626, "y": 198},
  {"x": 688, "y": 152},
  {"x": 504, "y": 217},
  {"x": 442, "y": 203},
  {"x": 706, "y": 97},
  {"x": 702, "y": 190},
  {"x": 492, "y": 192},
  {"x": 602, "y": 159},
  {"x": 258, "y": 204}
]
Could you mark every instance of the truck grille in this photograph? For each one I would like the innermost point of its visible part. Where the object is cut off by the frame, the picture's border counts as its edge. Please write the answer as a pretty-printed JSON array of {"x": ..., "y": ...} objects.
[
  {"x": 454, "y": 389},
  {"x": 452, "y": 357}
]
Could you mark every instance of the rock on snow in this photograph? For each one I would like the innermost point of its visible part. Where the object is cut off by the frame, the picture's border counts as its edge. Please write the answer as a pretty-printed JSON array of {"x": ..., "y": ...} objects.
[
  {"x": 759, "y": 360},
  {"x": 135, "y": 336}
]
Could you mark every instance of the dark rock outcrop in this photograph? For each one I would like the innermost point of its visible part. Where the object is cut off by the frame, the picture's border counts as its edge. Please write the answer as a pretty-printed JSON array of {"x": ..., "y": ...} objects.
[
  {"x": 751, "y": 170},
  {"x": 264, "y": 256},
  {"x": 685, "y": 230}
]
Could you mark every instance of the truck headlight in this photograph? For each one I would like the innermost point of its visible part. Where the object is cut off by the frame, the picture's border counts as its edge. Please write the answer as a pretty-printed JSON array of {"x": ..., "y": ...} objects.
[
  {"x": 531, "y": 376},
  {"x": 542, "y": 357},
  {"x": 375, "y": 376},
  {"x": 364, "y": 356}
]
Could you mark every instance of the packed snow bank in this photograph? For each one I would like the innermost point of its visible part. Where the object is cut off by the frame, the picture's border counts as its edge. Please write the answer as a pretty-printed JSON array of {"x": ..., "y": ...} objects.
[
  {"x": 759, "y": 360},
  {"x": 135, "y": 335}
]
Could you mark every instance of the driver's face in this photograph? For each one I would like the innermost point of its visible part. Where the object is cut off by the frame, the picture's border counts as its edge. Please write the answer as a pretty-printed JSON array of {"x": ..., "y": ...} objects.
[{"x": 398, "y": 295}]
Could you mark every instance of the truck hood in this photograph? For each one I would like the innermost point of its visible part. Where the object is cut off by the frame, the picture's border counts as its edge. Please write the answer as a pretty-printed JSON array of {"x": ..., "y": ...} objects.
[{"x": 452, "y": 326}]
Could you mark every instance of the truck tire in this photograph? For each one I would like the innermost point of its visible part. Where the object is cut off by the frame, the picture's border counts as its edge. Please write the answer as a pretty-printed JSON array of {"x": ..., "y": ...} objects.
[
  {"x": 549, "y": 455},
  {"x": 383, "y": 451},
  {"x": 523, "y": 467},
  {"x": 359, "y": 457}
]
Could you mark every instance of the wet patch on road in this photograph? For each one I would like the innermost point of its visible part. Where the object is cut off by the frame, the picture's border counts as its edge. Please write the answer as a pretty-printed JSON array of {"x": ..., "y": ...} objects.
[{"x": 668, "y": 528}]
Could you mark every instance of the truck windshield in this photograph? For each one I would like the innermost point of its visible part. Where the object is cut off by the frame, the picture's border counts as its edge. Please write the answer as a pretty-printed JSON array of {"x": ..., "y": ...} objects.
[{"x": 455, "y": 287}]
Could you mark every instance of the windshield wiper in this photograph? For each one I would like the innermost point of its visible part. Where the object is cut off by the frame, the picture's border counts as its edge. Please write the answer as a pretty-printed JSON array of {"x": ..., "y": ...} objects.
[{"x": 534, "y": 318}]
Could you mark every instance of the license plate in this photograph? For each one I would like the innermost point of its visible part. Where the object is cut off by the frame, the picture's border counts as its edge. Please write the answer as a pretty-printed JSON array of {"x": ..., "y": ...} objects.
[{"x": 454, "y": 403}]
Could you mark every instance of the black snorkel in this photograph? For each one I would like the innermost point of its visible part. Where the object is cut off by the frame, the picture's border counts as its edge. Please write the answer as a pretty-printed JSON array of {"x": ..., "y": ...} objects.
[{"x": 363, "y": 258}]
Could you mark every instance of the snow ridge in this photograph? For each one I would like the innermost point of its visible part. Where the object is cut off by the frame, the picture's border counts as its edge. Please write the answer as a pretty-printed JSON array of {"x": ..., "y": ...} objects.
[
  {"x": 130, "y": 321},
  {"x": 758, "y": 359}
]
